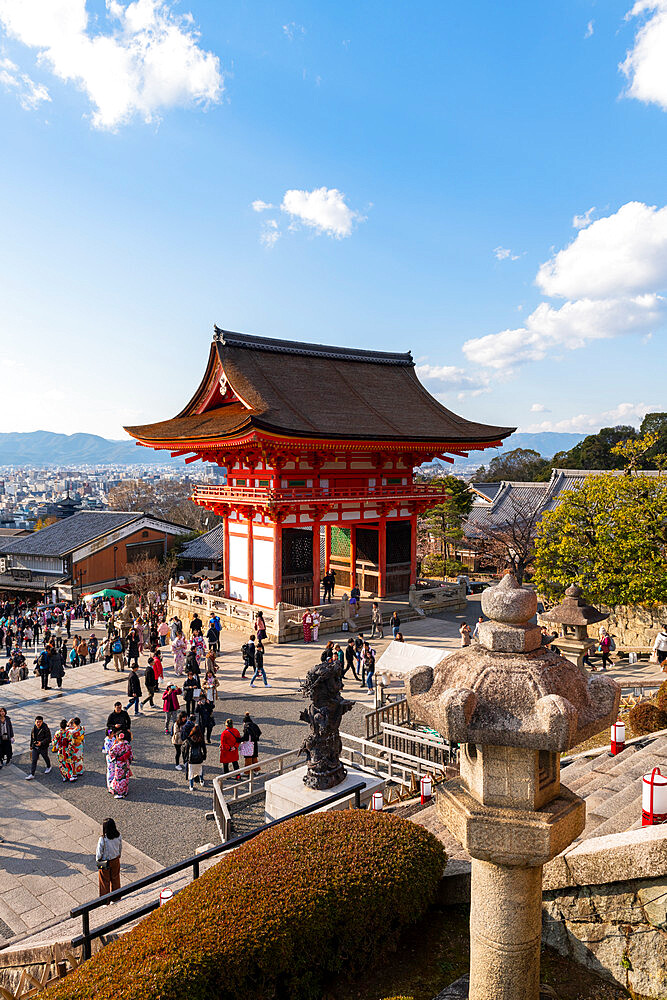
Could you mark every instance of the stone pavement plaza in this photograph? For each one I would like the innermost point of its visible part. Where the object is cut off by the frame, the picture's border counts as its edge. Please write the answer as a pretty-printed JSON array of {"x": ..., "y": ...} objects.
[{"x": 48, "y": 833}]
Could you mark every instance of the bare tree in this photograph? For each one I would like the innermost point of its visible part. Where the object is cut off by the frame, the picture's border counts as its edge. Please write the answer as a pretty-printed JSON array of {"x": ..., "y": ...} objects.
[
  {"x": 508, "y": 541},
  {"x": 167, "y": 498},
  {"x": 149, "y": 573}
]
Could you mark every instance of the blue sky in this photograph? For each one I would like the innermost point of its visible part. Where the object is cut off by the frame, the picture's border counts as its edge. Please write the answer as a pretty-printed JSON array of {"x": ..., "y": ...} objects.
[{"x": 415, "y": 170}]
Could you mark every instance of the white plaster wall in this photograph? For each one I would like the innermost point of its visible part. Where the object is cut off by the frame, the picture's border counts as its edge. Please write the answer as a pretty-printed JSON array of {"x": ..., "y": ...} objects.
[
  {"x": 238, "y": 591},
  {"x": 262, "y": 560},
  {"x": 238, "y": 559}
]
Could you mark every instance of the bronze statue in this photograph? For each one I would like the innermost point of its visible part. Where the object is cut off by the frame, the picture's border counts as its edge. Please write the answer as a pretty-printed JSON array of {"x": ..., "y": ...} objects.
[{"x": 327, "y": 707}]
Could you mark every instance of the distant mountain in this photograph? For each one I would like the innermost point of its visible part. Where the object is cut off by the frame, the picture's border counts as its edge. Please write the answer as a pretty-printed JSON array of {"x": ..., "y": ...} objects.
[
  {"x": 42, "y": 448},
  {"x": 548, "y": 443}
]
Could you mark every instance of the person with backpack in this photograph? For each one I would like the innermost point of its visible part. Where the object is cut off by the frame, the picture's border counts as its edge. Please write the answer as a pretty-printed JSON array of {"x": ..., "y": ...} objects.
[
  {"x": 117, "y": 650},
  {"x": 177, "y": 739},
  {"x": 56, "y": 667},
  {"x": 43, "y": 668},
  {"x": 259, "y": 666},
  {"x": 248, "y": 654},
  {"x": 134, "y": 690},
  {"x": 107, "y": 858},
  {"x": 194, "y": 750},
  {"x": 250, "y": 741},
  {"x": 607, "y": 646}
]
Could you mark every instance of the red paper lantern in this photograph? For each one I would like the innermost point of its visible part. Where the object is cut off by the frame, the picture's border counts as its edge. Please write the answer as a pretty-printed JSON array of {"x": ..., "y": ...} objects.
[
  {"x": 617, "y": 737},
  {"x": 426, "y": 784},
  {"x": 654, "y": 798}
]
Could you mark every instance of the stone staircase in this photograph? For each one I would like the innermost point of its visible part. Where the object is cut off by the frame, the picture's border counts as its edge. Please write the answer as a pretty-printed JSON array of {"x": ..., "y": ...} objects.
[{"x": 612, "y": 786}]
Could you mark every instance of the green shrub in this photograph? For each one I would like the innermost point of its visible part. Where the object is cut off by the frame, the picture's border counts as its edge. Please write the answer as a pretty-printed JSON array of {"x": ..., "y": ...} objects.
[
  {"x": 277, "y": 917},
  {"x": 647, "y": 717}
]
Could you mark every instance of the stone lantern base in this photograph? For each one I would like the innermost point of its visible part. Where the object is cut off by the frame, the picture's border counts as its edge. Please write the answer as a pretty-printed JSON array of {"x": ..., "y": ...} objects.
[{"x": 510, "y": 836}]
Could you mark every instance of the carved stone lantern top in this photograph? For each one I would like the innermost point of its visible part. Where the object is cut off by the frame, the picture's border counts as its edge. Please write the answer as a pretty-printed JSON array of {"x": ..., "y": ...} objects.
[
  {"x": 510, "y": 690},
  {"x": 573, "y": 610}
]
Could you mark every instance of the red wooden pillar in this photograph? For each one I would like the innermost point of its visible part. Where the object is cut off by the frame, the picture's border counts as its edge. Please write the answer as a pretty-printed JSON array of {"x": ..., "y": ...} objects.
[
  {"x": 225, "y": 556},
  {"x": 353, "y": 555},
  {"x": 327, "y": 547},
  {"x": 278, "y": 563},
  {"x": 413, "y": 549},
  {"x": 316, "y": 563},
  {"x": 251, "y": 571},
  {"x": 382, "y": 557}
]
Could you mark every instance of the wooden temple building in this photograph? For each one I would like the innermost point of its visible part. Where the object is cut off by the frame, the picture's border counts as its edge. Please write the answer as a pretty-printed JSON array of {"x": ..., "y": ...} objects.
[{"x": 319, "y": 444}]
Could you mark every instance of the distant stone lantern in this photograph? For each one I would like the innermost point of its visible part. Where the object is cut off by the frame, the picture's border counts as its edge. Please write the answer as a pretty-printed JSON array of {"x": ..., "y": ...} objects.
[
  {"x": 574, "y": 615},
  {"x": 514, "y": 706}
]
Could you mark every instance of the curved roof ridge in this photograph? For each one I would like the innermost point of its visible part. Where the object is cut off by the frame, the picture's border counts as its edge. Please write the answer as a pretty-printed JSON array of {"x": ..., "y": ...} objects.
[{"x": 278, "y": 346}]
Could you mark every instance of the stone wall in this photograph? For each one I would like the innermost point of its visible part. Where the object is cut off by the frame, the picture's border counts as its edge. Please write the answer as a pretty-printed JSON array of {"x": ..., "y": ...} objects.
[
  {"x": 634, "y": 625},
  {"x": 618, "y": 930}
]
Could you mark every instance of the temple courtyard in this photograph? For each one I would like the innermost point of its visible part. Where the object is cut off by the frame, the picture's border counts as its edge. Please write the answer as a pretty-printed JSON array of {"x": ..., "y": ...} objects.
[{"x": 48, "y": 830}]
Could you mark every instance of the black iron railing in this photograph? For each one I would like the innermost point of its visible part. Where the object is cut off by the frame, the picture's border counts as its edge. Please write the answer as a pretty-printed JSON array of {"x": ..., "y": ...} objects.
[{"x": 87, "y": 935}]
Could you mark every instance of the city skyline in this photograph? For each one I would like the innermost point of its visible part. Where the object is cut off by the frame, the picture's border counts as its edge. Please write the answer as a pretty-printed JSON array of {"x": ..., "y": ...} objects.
[{"x": 480, "y": 186}]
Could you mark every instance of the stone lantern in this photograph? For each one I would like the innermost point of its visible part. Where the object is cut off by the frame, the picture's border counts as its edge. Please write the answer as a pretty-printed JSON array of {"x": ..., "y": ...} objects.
[
  {"x": 574, "y": 615},
  {"x": 514, "y": 706}
]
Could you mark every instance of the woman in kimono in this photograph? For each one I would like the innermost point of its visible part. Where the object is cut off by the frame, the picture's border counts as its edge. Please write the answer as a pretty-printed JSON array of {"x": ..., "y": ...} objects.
[
  {"x": 198, "y": 645},
  {"x": 179, "y": 648},
  {"x": 307, "y": 624},
  {"x": 61, "y": 746},
  {"x": 77, "y": 734},
  {"x": 106, "y": 750},
  {"x": 121, "y": 756}
]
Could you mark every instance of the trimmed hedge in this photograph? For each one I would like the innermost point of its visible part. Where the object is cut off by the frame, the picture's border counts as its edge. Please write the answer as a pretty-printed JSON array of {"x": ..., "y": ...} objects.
[
  {"x": 646, "y": 717},
  {"x": 661, "y": 697},
  {"x": 277, "y": 917}
]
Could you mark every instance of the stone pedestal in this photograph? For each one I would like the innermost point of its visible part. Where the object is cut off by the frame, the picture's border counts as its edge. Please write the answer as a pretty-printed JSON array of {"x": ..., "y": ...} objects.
[
  {"x": 505, "y": 927},
  {"x": 287, "y": 793}
]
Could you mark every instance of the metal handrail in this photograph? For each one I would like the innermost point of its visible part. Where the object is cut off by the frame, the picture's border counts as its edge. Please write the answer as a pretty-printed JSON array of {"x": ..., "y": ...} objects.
[{"x": 88, "y": 936}]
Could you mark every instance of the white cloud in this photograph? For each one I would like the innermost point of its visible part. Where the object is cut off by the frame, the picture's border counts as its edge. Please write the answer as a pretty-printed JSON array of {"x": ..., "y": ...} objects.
[
  {"x": 581, "y": 221},
  {"x": 261, "y": 206},
  {"x": 270, "y": 233},
  {"x": 539, "y": 408},
  {"x": 30, "y": 94},
  {"x": 590, "y": 28},
  {"x": 452, "y": 378},
  {"x": 148, "y": 60},
  {"x": 573, "y": 325},
  {"x": 502, "y": 253},
  {"x": 622, "y": 254},
  {"x": 590, "y": 423},
  {"x": 645, "y": 65},
  {"x": 293, "y": 30},
  {"x": 323, "y": 209}
]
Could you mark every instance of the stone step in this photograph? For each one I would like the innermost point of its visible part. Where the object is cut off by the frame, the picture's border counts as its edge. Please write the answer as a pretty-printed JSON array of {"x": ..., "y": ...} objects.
[{"x": 623, "y": 819}]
